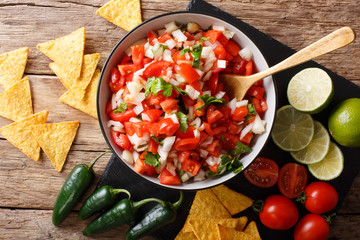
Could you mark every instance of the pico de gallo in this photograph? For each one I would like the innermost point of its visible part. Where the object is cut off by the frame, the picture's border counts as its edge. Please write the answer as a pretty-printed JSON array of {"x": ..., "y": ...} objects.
[{"x": 168, "y": 111}]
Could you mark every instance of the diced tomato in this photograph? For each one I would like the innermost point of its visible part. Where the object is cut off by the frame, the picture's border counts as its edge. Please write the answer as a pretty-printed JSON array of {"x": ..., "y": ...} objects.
[
  {"x": 154, "y": 129},
  {"x": 239, "y": 67},
  {"x": 196, "y": 86},
  {"x": 191, "y": 166},
  {"x": 260, "y": 105},
  {"x": 247, "y": 138},
  {"x": 117, "y": 82},
  {"x": 184, "y": 155},
  {"x": 213, "y": 115},
  {"x": 223, "y": 40},
  {"x": 153, "y": 146},
  {"x": 229, "y": 141},
  {"x": 125, "y": 60},
  {"x": 208, "y": 129},
  {"x": 189, "y": 132},
  {"x": 203, "y": 136},
  {"x": 155, "y": 69},
  {"x": 165, "y": 38},
  {"x": 122, "y": 117},
  {"x": 249, "y": 68},
  {"x": 115, "y": 75},
  {"x": 213, "y": 83},
  {"x": 188, "y": 101},
  {"x": 155, "y": 100},
  {"x": 167, "y": 126},
  {"x": 233, "y": 128},
  {"x": 141, "y": 167},
  {"x": 240, "y": 114},
  {"x": 186, "y": 144},
  {"x": 229, "y": 57},
  {"x": 128, "y": 69},
  {"x": 121, "y": 140},
  {"x": 201, "y": 111},
  {"x": 250, "y": 119},
  {"x": 169, "y": 105},
  {"x": 214, "y": 168},
  {"x": 220, "y": 52},
  {"x": 140, "y": 128},
  {"x": 168, "y": 179},
  {"x": 189, "y": 36},
  {"x": 151, "y": 38},
  {"x": 146, "y": 60},
  {"x": 109, "y": 107},
  {"x": 213, "y": 35},
  {"x": 153, "y": 114},
  {"x": 188, "y": 73},
  {"x": 129, "y": 128},
  {"x": 214, "y": 148},
  {"x": 178, "y": 56},
  {"x": 255, "y": 91},
  {"x": 259, "y": 83},
  {"x": 219, "y": 130},
  {"x": 232, "y": 48},
  {"x": 137, "y": 53},
  {"x": 226, "y": 111}
]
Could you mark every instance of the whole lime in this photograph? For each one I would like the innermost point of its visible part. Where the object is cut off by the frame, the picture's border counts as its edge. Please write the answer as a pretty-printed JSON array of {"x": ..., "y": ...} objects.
[{"x": 344, "y": 122}]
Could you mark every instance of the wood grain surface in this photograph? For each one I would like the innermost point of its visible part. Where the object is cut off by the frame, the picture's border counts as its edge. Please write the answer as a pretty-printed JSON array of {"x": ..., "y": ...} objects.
[{"x": 29, "y": 188}]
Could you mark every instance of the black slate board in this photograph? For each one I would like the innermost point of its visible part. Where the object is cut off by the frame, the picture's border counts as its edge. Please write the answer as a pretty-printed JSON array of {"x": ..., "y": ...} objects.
[{"x": 118, "y": 175}]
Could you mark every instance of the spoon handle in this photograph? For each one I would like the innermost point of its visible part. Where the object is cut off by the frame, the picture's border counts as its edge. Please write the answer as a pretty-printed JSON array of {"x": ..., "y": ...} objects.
[{"x": 331, "y": 42}]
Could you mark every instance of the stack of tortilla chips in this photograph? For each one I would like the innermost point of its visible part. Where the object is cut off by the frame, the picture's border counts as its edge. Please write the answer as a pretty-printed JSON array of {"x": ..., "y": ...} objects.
[
  {"x": 210, "y": 217},
  {"x": 76, "y": 71},
  {"x": 30, "y": 132}
]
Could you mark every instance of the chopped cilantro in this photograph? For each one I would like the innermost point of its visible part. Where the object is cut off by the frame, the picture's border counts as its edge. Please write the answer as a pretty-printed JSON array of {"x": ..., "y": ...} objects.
[
  {"x": 228, "y": 163},
  {"x": 154, "y": 85},
  {"x": 203, "y": 39},
  {"x": 208, "y": 28},
  {"x": 152, "y": 159},
  {"x": 196, "y": 54},
  {"x": 185, "y": 50},
  {"x": 122, "y": 108},
  {"x": 239, "y": 149},
  {"x": 251, "y": 109},
  {"x": 208, "y": 100},
  {"x": 183, "y": 121}
]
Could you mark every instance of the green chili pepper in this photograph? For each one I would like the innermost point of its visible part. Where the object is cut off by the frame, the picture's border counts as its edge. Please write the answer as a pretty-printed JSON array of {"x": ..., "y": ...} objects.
[
  {"x": 156, "y": 218},
  {"x": 124, "y": 212},
  {"x": 102, "y": 199},
  {"x": 74, "y": 186}
]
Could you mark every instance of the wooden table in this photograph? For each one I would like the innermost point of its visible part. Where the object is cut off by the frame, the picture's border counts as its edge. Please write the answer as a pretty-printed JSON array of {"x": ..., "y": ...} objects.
[{"x": 28, "y": 189}]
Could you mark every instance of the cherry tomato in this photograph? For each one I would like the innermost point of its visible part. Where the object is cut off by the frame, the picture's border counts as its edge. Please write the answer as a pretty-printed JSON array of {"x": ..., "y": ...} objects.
[
  {"x": 292, "y": 180},
  {"x": 321, "y": 197},
  {"x": 263, "y": 172},
  {"x": 311, "y": 227},
  {"x": 279, "y": 213}
]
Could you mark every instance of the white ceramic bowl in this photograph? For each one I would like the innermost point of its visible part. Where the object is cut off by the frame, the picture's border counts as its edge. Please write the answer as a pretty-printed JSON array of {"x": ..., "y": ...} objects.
[{"x": 104, "y": 93}]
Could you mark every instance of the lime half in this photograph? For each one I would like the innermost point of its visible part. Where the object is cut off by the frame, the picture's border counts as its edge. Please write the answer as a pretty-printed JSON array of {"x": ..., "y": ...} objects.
[
  {"x": 293, "y": 130},
  {"x": 331, "y": 166},
  {"x": 310, "y": 90},
  {"x": 318, "y": 147}
]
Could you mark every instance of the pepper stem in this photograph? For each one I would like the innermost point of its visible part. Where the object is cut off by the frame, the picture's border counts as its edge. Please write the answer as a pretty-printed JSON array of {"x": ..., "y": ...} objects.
[
  {"x": 138, "y": 204},
  {"x": 177, "y": 204},
  {"x": 115, "y": 192},
  {"x": 258, "y": 205},
  {"x": 95, "y": 159}
]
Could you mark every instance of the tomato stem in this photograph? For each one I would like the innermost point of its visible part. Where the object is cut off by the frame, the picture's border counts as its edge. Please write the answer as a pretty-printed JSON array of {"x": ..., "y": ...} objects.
[
  {"x": 301, "y": 199},
  {"x": 258, "y": 206},
  {"x": 329, "y": 218}
]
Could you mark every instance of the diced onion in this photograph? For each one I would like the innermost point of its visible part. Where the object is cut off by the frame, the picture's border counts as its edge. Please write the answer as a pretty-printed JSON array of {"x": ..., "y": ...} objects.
[
  {"x": 232, "y": 105},
  {"x": 192, "y": 92},
  {"x": 196, "y": 123},
  {"x": 196, "y": 133},
  {"x": 179, "y": 35},
  {"x": 170, "y": 43},
  {"x": 207, "y": 141},
  {"x": 205, "y": 52},
  {"x": 259, "y": 125},
  {"x": 221, "y": 63},
  {"x": 198, "y": 36},
  {"x": 128, "y": 157},
  {"x": 136, "y": 155},
  {"x": 171, "y": 168},
  {"x": 137, "y": 74},
  {"x": 186, "y": 176},
  {"x": 167, "y": 143},
  {"x": 246, "y": 53},
  {"x": 200, "y": 176},
  {"x": 115, "y": 126},
  {"x": 246, "y": 130},
  {"x": 174, "y": 82},
  {"x": 173, "y": 117},
  {"x": 208, "y": 92},
  {"x": 140, "y": 143},
  {"x": 167, "y": 55},
  {"x": 170, "y": 27},
  {"x": 219, "y": 94},
  {"x": 209, "y": 61},
  {"x": 211, "y": 161},
  {"x": 117, "y": 99},
  {"x": 149, "y": 53},
  {"x": 218, "y": 28},
  {"x": 201, "y": 73},
  {"x": 228, "y": 34},
  {"x": 202, "y": 127},
  {"x": 191, "y": 113},
  {"x": 138, "y": 109},
  {"x": 203, "y": 153},
  {"x": 242, "y": 103},
  {"x": 187, "y": 56},
  {"x": 179, "y": 78},
  {"x": 189, "y": 43},
  {"x": 133, "y": 119},
  {"x": 192, "y": 27},
  {"x": 134, "y": 87},
  {"x": 145, "y": 117}
]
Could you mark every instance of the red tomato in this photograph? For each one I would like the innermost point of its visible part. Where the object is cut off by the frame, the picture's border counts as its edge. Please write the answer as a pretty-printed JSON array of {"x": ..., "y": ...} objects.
[
  {"x": 183, "y": 155},
  {"x": 109, "y": 107},
  {"x": 128, "y": 68},
  {"x": 279, "y": 213},
  {"x": 164, "y": 38},
  {"x": 137, "y": 53},
  {"x": 233, "y": 128},
  {"x": 321, "y": 197},
  {"x": 214, "y": 168},
  {"x": 116, "y": 82},
  {"x": 140, "y": 128},
  {"x": 226, "y": 112},
  {"x": 229, "y": 141},
  {"x": 151, "y": 38},
  {"x": 155, "y": 100},
  {"x": 249, "y": 68},
  {"x": 122, "y": 117},
  {"x": 213, "y": 115},
  {"x": 263, "y": 172},
  {"x": 214, "y": 148},
  {"x": 220, "y": 52},
  {"x": 168, "y": 179},
  {"x": 240, "y": 114},
  {"x": 153, "y": 114},
  {"x": 155, "y": 69},
  {"x": 189, "y": 132},
  {"x": 121, "y": 140},
  {"x": 239, "y": 66},
  {"x": 260, "y": 105},
  {"x": 186, "y": 144},
  {"x": 208, "y": 129},
  {"x": 223, "y": 40},
  {"x": 292, "y": 179},
  {"x": 191, "y": 166},
  {"x": 153, "y": 146},
  {"x": 213, "y": 35},
  {"x": 167, "y": 126},
  {"x": 129, "y": 128},
  {"x": 188, "y": 73},
  {"x": 255, "y": 91},
  {"x": 169, "y": 105},
  {"x": 219, "y": 130},
  {"x": 126, "y": 60},
  {"x": 141, "y": 167},
  {"x": 232, "y": 48},
  {"x": 247, "y": 138},
  {"x": 188, "y": 101},
  {"x": 311, "y": 227},
  {"x": 213, "y": 82},
  {"x": 201, "y": 111}
]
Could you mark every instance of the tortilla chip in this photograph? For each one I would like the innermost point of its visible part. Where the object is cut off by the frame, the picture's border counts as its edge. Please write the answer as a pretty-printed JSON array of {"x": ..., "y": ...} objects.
[
  {"x": 67, "y": 52},
  {"x": 186, "y": 236},
  {"x": 123, "y": 13},
  {"x": 16, "y": 102},
  {"x": 206, "y": 229},
  {"x": 19, "y": 134},
  {"x": 233, "y": 201},
  {"x": 231, "y": 234},
  {"x": 88, "y": 103},
  {"x": 56, "y": 140},
  {"x": 12, "y": 67},
  {"x": 252, "y": 230},
  {"x": 78, "y": 85}
]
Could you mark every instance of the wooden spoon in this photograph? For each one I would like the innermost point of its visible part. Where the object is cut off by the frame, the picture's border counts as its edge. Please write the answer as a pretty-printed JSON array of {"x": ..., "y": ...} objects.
[{"x": 237, "y": 85}]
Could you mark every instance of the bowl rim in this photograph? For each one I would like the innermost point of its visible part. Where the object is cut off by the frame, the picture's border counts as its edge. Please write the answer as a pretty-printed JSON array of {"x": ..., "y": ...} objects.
[{"x": 174, "y": 187}]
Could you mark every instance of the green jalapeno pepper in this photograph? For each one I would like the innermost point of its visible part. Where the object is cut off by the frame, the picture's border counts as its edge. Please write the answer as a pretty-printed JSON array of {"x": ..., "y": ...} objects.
[
  {"x": 156, "y": 218},
  {"x": 102, "y": 199},
  {"x": 72, "y": 190},
  {"x": 124, "y": 212}
]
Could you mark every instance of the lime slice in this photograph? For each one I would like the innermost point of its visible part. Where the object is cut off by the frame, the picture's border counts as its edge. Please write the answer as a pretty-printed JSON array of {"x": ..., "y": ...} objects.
[
  {"x": 318, "y": 147},
  {"x": 310, "y": 90},
  {"x": 331, "y": 166},
  {"x": 293, "y": 130}
]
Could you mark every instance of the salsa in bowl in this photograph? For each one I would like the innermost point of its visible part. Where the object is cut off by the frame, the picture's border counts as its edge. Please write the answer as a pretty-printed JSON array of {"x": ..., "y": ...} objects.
[{"x": 164, "y": 111}]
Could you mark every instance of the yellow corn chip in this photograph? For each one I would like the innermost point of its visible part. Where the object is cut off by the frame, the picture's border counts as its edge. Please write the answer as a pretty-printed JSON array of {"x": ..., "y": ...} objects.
[
  {"x": 67, "y": 52},
  {"x": 19, "y": 134},
  {"x": 55, "y": 139},
  {"x": 78, "y": 85},
  {"x": 12, "y": 67},
  {"x": 206, "y": 229},
  {"x": 231, "y": 234},
  {"x": 88, "y": 103},
  {"x": 186, "y": 236},
  {"x": 123, "y": 13},
  {"x": 252, "y": 230},
  {"x": 233, "y": 201},
  {"x": 16, "y": 101}
]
